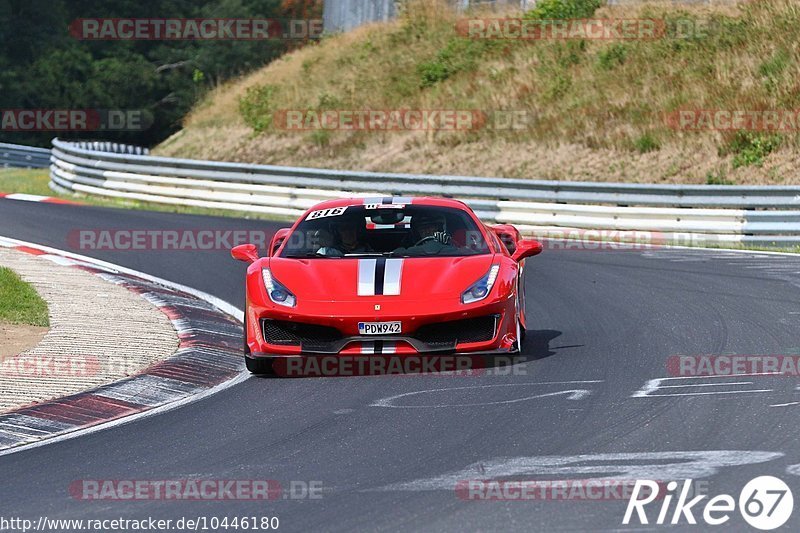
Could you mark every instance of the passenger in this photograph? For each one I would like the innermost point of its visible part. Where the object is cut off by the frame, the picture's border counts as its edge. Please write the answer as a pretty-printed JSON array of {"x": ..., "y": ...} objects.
[{"x": 350, "y": 235}]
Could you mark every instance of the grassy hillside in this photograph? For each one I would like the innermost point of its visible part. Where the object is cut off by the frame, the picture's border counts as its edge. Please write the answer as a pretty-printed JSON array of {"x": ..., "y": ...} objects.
[{"x": 596, "y": 108}]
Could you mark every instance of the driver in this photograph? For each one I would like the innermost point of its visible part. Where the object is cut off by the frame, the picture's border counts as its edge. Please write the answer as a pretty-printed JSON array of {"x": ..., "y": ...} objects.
[
  {"x": 428, "y": 236},
  {"x": 429, "y": 227}
]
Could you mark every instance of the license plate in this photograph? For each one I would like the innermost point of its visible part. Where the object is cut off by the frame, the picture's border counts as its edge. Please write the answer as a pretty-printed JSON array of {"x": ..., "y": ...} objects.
[{"x": 378, "y": 328}]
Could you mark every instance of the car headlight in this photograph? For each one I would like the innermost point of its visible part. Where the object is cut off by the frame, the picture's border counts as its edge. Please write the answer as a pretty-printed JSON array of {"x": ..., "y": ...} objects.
[
  {"x": 481, "y": 288},
  {"x": 277, "y": 292}
]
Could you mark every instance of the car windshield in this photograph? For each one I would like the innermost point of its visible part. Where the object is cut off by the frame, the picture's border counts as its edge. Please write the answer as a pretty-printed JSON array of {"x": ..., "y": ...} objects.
[{"x": 389, "y": 230}]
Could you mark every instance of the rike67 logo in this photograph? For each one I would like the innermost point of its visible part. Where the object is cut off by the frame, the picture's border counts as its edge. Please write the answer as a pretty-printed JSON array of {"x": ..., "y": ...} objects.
[{"x": 765, "y": 503}]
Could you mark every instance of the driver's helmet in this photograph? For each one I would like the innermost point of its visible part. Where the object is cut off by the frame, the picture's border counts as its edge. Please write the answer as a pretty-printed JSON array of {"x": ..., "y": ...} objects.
[{"x": 427, "y": 224}]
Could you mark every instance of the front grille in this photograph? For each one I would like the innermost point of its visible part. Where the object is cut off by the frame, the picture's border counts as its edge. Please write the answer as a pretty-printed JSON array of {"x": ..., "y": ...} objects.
[
  {"x": 441, "y": 336},
  {"x": 479, "y": 329},
  {"x": 298, "y": 333}
]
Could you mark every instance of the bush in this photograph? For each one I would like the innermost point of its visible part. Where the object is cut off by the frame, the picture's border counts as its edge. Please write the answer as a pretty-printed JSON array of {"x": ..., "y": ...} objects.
[
  {"x": 646, "y": 143},
  {"x": 458, "y": 55},
  {"x": 255, "y": 107},
  {"x": 320, "y": 138},
  {"x": 751, "y": 148},
  {"x": 612, "y": 56},
  {"x": 563, "y": 9},
  {"x": 571, "y": 54}
]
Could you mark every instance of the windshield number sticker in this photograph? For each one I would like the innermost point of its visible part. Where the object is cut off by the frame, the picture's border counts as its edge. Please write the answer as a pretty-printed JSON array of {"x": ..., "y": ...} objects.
[
  {"x": 370, "y": 207},
  {"x": 332, "y": 212}
]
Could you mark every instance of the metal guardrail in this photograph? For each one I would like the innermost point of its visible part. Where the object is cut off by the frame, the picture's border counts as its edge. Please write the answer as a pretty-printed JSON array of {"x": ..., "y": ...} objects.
[
  {"x": 19, "y": 156},
  {"x": 763, "y": 215},
  {"x": 116, "y": 148}
]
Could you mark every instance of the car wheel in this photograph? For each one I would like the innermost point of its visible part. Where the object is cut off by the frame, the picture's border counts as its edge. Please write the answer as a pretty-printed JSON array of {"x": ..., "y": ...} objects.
[{"x": 244, "y": 333}]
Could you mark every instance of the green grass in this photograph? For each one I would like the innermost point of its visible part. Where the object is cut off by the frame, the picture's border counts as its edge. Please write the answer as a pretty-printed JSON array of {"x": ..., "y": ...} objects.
[
  {"x": 19, "y": 302},
  {"x": 24, "y": 181},
  {"x": 34, "y": 181}
]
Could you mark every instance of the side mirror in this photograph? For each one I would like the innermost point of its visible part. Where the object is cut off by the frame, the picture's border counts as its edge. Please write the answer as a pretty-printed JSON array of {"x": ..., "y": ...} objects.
[
  {"x": 245, "y": 252},
  {"x": 508, "y": 235},
  {"x": 526, "y": 248},
  {"x": 278, "y": 239}
]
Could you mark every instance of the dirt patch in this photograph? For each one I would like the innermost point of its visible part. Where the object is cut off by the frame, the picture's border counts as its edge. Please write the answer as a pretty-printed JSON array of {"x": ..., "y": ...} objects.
[{"x": 17, "y": 338}]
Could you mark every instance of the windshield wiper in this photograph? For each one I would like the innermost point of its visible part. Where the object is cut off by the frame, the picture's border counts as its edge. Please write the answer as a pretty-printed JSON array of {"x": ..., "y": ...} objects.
[
  {"x": 367, "y": 254},
  {"x": 307, "y": 255}
]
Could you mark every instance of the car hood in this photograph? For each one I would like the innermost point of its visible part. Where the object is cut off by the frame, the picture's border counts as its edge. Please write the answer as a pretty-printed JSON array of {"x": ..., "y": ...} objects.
[{"x": 415, "y": 278}]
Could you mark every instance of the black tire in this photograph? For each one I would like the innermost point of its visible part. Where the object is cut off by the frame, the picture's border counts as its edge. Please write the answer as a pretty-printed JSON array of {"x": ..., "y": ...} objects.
[
  {"x": 261, "y": 366},
  {"x": 244, "y": 327}
]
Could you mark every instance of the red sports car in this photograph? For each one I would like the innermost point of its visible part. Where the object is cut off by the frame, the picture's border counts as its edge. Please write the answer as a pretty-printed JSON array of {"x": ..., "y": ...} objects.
[{"x": 392, "y": 275}]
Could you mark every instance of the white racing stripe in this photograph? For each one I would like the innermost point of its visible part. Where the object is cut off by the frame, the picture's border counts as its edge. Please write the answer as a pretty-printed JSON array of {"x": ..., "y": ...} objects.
[
  {"x": 396, "y": 200},
  {"x": 369, "y": 284},
  {"x": 369, "y": 347},
  {"x": 366, "y": 277},
  {"x": 392, "y": 276}
]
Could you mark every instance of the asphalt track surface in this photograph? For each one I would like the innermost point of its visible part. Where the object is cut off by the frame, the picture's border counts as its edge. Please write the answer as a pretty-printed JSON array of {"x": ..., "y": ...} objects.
[{"x": 607, "y": 319}]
